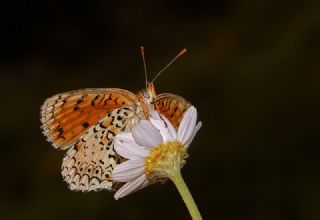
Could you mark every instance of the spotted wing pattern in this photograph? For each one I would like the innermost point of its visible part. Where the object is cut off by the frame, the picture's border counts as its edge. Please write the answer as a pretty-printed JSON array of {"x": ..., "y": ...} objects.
[
  {"x": 172, "y": 106},
  {"x": 88, "y": 164},
  {"x": 66, "y": 116}
]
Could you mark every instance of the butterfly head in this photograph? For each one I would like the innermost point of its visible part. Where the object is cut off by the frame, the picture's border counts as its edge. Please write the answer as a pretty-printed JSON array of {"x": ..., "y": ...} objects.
[{"x": 148, "y": 95}]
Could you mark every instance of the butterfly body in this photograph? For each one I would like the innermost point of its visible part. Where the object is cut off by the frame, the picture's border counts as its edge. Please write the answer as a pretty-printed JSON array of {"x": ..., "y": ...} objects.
[{"x": 85, "y": 122}]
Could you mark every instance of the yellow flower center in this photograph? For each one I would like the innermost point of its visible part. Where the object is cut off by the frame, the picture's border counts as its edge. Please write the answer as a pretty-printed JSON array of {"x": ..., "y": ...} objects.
[{"x": 164, "y": 159}]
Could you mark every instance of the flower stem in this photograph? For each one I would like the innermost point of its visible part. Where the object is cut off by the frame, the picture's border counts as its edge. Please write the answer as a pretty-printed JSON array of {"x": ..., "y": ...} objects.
[{"x": 178, "y": 181}]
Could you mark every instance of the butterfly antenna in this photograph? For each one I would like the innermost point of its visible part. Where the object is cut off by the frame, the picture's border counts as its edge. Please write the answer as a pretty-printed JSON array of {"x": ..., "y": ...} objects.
[
  {"x": 169, "y": 64},
  {"x": 144, "y": 64}
]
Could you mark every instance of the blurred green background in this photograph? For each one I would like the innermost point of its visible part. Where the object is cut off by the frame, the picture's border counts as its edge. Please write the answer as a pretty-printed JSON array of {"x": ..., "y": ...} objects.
[{"x": 252, "y": 70}]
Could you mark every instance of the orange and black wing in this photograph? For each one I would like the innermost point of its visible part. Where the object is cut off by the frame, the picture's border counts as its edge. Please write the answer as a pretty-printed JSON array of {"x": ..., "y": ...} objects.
[
  {"x": 66, "y": 116},
  {"x": 172, "y": 106}
]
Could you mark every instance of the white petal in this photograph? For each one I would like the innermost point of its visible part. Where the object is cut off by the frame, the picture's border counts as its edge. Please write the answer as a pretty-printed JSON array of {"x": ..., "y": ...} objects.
[
  {"x": 172, "y": 131},
  {"x": 128, "y": 170},
  {"x": 126, "y": 137},
  {"x": 155, "y": 115},
  {"x": 187, "y": 125},
  {"x": 145, "y": 134},
  {"x": 132, "y": 186},
  {"x": 156, "y": 120},
  {"x": 126, "y": 147},
  {"x": 159, "y": 124},
  {"x": 194, "y": 134}
]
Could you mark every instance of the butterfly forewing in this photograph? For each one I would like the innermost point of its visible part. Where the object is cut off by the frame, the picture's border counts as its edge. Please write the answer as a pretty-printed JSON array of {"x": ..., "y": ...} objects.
[
  {"x": 88, "y": 164},
  {"x": 172, "y": 106},
  {"x": 65, "y": 117}
]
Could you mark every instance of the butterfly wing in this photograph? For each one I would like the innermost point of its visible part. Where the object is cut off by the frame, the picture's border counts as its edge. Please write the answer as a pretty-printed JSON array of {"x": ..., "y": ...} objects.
[
  {"x": 172, "y": 106},
  {"x": 66, "y": 116},
  {"x": 88, "y": 164}
]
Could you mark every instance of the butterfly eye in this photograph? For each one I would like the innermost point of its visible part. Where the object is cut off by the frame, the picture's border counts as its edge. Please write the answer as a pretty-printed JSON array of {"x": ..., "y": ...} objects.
[{"x": 146, "y": 94}]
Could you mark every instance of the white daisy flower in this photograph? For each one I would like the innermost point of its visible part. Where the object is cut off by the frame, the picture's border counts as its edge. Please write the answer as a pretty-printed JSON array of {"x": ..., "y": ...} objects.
[{"x": 155, "y": 151}]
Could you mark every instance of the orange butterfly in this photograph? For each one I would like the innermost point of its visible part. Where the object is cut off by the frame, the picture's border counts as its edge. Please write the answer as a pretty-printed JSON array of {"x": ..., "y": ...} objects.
[{"x": 85, "y": 122}]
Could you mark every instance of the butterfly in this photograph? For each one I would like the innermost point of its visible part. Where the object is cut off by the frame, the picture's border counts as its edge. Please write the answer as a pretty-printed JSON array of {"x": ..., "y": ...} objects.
[{"x": 85, "y": 123}]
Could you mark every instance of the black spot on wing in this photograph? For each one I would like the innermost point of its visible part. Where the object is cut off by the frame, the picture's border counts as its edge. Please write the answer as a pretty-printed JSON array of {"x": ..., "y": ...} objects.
[
  {"x": 85, "y": 124},
  {"x": 93, "y": 102}
]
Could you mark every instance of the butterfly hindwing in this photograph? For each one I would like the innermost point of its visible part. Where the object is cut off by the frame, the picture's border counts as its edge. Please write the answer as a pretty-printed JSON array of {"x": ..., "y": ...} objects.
[
  {"x": 172, "y": 106},
  {"x": 88, "y": 164},
  {"x": 65, "y": 117}
]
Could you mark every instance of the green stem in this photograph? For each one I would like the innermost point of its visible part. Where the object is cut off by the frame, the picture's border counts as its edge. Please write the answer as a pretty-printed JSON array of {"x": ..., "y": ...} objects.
[{"x": 185, "y": 194}]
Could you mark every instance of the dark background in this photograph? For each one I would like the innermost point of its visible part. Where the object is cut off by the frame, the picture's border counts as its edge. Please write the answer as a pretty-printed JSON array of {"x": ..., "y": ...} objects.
[{"x": 252, "y": 71}]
